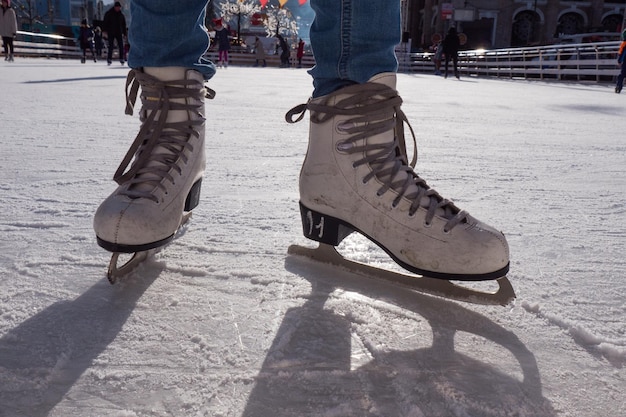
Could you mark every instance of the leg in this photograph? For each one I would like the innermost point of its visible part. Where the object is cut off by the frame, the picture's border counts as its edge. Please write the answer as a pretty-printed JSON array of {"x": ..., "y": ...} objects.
[
  {"x": 111, "y": 44},
  {"x": 159, "y": 178},
  {"x": 352, "y": 54},
  {"x": 120, "y": 46},
  {"x": 356, "y": 175},
  {"x": 10, "y": 44},
  {"x": 620, "y": 78}
]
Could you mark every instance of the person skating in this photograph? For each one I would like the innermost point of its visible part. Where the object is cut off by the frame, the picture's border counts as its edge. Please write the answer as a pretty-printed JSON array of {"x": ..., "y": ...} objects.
[
  {"x": 86, "y": 41},
  {"x": 621, "y": 60},
  {"x": 98, "y": 42},
  {"x": 114, "y": 24},
  {"x": 223, "y": 43},
  {"x": 259, "y": 52},
  {"x": 451, "y": 45},
  {"x": 8, "y": 29},
  {"x": 285, "y": 51},
  {"x": 356, "y": 175},
  {"x": 300, "y": 52}
]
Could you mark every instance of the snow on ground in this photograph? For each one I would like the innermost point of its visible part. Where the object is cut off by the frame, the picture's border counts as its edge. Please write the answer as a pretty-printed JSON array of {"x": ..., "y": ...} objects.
[{"x": 224, "y": 323}]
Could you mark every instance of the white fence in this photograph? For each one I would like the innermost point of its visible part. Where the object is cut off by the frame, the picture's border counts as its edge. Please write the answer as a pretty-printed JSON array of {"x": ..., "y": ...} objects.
[
  {"x": 44, "y": 45},
  {"x": 61, "y": 47},
  {"x": 586, "y": 61}
]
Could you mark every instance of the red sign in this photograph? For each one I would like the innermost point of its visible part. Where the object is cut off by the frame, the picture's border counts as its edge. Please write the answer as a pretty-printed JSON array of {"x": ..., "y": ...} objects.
[{"x": 447, "y": 10}]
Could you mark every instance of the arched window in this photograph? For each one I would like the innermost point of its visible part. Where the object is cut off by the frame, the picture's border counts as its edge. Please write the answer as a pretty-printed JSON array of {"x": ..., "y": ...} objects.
[
  {"x": 525, "y": 28},
  {"x": 571, "y": 23},
  {"x": 612, "y": 23}
]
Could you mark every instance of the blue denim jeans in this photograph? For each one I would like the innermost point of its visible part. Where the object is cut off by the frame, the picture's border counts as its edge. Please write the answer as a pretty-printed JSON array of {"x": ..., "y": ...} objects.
[
  {"x": 166, "y": 33},
  {"x": 352, "y": 40}
]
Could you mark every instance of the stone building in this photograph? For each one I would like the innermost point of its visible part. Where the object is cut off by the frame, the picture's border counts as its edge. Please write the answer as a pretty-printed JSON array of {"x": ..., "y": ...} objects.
[{"x": 506, "y": 23}]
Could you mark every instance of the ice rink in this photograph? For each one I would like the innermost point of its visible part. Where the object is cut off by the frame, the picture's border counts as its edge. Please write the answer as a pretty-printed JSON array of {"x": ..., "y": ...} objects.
[{"x": 224, "y": 323}]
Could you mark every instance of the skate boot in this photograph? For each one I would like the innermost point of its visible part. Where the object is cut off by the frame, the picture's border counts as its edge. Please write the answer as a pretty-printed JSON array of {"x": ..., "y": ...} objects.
[
  {"x": 168, "y": 160},
  {"x": 356, "y": 177}
]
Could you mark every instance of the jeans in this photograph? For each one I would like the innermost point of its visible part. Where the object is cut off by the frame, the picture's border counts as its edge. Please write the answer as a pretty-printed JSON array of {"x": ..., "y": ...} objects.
[
  {"x": 352, "y": 40},
  {"x": 166, "y": 33}
]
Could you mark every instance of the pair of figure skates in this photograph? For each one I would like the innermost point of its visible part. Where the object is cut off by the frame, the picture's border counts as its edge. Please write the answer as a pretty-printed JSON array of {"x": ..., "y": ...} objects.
[{"x": 356, "y": 177}]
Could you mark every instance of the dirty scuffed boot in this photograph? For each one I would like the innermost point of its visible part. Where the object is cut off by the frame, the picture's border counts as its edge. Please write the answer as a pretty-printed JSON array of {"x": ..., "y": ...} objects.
[
  {"x": 357, "y": 177},
  {"x": 168, "y": 161}
]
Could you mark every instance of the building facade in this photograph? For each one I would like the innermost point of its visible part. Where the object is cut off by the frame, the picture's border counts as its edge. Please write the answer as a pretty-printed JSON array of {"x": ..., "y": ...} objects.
[{"x": 505, "y": 23}]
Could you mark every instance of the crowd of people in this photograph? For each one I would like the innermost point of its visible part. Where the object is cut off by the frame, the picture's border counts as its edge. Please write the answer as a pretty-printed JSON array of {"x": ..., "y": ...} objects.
[{"x": 113, "y": 30}]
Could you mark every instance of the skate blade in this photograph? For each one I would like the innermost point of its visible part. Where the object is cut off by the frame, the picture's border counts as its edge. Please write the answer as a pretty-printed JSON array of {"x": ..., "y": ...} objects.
[
  {"x": 433, "y": 286},
  {"x": 115, "y": 272}
]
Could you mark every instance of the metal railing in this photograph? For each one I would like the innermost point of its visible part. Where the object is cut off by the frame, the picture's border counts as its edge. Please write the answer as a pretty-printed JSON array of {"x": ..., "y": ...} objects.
[{"x": 585, "y": 61}]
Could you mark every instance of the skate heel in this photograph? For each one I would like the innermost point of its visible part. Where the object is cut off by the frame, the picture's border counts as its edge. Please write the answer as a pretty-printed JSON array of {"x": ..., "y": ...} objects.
[
  {"x": 322, "y": 228},
  {"x": 193, "y": 198}
]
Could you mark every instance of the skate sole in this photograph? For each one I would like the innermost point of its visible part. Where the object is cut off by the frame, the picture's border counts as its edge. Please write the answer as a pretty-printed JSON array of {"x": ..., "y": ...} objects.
[
  {"x": 331, "y": 231},
  {"x": 327, "y": 254}
]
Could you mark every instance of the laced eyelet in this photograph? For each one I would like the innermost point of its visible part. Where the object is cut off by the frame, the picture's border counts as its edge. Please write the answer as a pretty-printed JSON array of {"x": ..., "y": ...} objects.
[
  {"x": 427, "y": 225},
  {"x": 344, "y": 146},
  {"x": 344, "y": 127}
]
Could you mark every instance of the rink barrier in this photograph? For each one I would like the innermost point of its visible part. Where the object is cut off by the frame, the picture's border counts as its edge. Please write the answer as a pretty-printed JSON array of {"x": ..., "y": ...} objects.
[
  {"x": 45, "y": 45},
  {"x": 587, "y": 61},
  {"x": 581, "y": 62},
  {"x": 248, "y": 59}
]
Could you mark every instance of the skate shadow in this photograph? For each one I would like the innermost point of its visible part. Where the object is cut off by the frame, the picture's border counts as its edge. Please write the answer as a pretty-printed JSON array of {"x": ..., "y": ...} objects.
[
  {"x": 312, "y": 369},
  {"x": 42, "y": 358}
]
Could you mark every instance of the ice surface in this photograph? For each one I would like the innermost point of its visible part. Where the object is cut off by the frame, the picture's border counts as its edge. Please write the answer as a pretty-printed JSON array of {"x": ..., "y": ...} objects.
[{"x": 223, "y": 323}]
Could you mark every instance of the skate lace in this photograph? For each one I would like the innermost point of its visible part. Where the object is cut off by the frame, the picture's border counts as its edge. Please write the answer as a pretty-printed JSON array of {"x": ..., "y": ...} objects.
[
  {"x": 374, "y": 108},
  {"x": 149, "y": 168}
]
